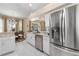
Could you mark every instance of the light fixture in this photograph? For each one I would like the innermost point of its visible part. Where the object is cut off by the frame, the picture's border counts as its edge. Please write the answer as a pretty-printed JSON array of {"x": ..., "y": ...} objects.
[{"x": 30, "y": 4}]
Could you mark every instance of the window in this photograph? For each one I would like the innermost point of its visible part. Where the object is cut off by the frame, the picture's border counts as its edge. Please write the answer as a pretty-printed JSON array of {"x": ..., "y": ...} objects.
[{"x": 1, "y": 25}]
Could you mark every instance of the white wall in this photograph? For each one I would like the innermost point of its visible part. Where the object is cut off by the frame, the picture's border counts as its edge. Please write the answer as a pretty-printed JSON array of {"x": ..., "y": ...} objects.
[
  {"x": 1, "y": 25},
  {"x": 47, "y": 18}
]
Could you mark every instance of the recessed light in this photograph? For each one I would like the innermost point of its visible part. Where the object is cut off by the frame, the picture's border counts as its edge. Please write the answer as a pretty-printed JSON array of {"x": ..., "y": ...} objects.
[{"x": 30, "y": 4}]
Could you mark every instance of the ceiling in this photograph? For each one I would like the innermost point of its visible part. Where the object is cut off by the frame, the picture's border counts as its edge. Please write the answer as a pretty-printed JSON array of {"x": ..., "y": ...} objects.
[{"x": 19, "y": 9}]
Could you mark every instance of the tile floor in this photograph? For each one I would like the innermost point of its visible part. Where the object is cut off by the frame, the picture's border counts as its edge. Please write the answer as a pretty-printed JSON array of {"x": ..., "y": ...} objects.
[
  {"x": 56, "y": 51},
  {"x": 24, "y": 49}
]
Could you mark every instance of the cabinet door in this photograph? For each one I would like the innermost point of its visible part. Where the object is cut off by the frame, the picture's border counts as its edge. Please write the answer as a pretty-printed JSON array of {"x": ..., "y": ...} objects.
[
  {"x": 46, "y": 44},
  {"x": 31, "y": 38},
  {"x": 33, "y": 41},
  {"x": 28, "y": 37},
  {"x": 12, "y": 43}
]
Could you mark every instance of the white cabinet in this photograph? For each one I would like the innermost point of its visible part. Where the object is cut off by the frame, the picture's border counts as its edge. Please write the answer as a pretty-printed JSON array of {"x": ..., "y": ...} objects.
[
  {"x": 46, "y": 44},
  {"x": 7, "y": 44},
  {"x": 31, "y": 38}
]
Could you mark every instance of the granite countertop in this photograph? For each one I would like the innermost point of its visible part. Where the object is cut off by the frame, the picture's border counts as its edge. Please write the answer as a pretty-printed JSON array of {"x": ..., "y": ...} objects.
[
  {"x": 44, "y": 34},
  {"x": 41, "y": 33},
  {"x": 6, "y": 34}
]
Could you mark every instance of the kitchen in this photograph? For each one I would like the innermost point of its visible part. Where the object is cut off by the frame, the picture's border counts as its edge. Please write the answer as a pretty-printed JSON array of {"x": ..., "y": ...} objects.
[{"x": 47, "y": 29}]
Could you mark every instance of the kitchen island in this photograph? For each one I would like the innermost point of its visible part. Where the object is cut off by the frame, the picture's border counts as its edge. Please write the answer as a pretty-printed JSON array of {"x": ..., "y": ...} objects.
[{"x": 7, "y": 43}]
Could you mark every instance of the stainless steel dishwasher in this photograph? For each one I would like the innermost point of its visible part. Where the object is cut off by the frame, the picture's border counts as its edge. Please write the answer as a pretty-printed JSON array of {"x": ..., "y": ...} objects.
[{"x": 39, "y": 42}]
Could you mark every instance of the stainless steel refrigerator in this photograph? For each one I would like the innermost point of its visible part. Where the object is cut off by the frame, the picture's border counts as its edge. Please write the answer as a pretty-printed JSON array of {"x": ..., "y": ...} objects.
[
  {"x": 56, "y": 18},
  {"x": 67, "y": 20}
]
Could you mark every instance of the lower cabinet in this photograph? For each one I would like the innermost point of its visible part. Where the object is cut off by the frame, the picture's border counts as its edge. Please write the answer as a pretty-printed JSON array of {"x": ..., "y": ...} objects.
[
  {"x": 31, "y": 38},
  {"x": 40, "y": 42},
  {"x": 46, "y": 44},
  {"x": 7, "y": 45}
]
